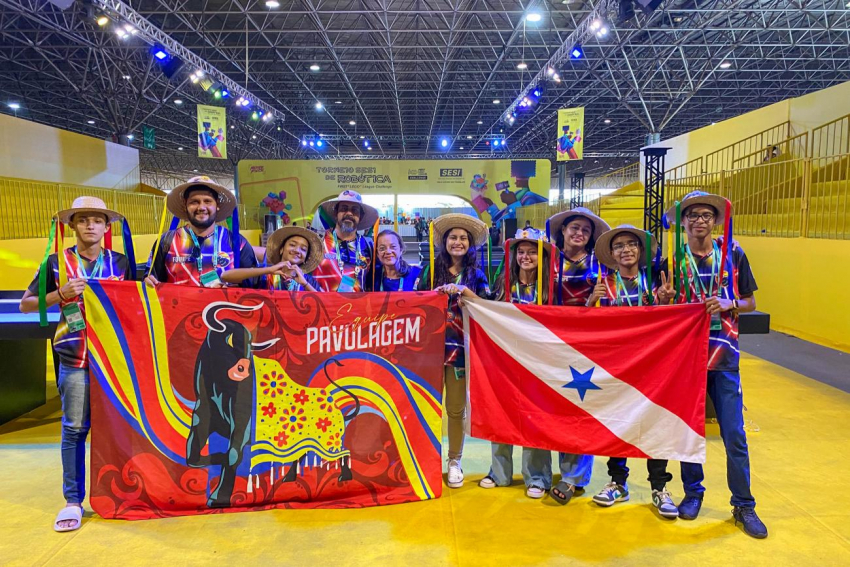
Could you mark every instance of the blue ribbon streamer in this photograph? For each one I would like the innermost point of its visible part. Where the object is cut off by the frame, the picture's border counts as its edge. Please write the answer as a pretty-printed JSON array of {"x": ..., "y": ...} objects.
[
  {"x": 129, "y": 250},
  {"x": 235, "y": 240}
]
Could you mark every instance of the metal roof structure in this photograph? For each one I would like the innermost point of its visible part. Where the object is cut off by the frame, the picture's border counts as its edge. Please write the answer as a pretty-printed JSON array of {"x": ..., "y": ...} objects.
[{"x": 404, "y": 74}]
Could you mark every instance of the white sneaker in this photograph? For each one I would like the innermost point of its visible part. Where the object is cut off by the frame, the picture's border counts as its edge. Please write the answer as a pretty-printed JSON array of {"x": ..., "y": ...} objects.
[
  {"x": 455, "y": 476},
  {"x": 487, "y": 482}
]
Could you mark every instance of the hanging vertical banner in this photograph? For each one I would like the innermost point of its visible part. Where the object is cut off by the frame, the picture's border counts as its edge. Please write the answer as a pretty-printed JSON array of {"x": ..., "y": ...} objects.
[
  {"x": 212, "y": 125},
  {"x": 570, "y": 133}
]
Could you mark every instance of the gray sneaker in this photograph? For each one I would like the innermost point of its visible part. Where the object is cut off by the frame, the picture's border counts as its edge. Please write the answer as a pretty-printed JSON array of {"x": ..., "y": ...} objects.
[
  {"x": 663, "y": 500},
  {"x": 611, "y": 493}
]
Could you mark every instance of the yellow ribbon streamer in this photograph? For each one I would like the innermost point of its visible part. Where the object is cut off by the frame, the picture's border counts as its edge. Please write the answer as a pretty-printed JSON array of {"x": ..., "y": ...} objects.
[
  {"x": 539, "y": 271},
  {"x": 161, "y": 230}
]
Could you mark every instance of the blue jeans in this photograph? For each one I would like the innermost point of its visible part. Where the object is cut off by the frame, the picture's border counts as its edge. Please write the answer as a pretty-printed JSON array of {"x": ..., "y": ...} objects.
[
  {"x": 536, "y": 466},
  {"x": 74, "y": 393},
  {"x": 724, "y": 388},
  {"x": 575, "y": 469}
]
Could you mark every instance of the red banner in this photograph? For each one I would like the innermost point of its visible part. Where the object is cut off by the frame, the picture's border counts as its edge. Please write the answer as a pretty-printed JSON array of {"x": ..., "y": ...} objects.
[{"x": 207, "y": 400}]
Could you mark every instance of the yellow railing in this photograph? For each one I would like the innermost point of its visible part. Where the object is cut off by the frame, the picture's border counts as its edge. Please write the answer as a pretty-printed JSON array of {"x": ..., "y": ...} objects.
[
  {"x": 724, "y": 158},
  {"x": 832, "y": 138},
  {"x": 687, "y": 169},
  {"x": 787, "y": 198},
  {"x": 795, "y": 147},
  {"x": 26, "y": 207},
  {"x": 130, "y": 182},
  {"x": 615, "y": 179}
]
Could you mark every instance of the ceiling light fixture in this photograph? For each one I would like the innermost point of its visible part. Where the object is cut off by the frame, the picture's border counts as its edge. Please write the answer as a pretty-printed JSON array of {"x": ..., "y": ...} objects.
[
  {"x": 479, "y": 123},
  {"x": 14, "y": 106},
  {"x": 533, "y": 17},
  {"x": 180, "y": 149},
  {"x": 272, "y": 4},
  {"x": 102, "y": 21},
  {"x": 352, "y": 123},
  {"x": 521, "y": 65},
  {"x": 725, "y": 65},
  {"x": 178, "y": 101},
  {"x": 89, "y": 121},
  {"x": 315, "y": 67},
  {"x": 607, "y": 121},
  {"x": 496, "y": 101},
  {"x": 319, "y": 105}
]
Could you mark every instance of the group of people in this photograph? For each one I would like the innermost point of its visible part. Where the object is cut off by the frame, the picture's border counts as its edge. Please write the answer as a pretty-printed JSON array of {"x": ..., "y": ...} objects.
[{"x": 594, "y": 265}]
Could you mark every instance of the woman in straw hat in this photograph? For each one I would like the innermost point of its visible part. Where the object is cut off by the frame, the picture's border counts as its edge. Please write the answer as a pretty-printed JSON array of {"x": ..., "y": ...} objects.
[
  {"x": 523, "y": 260},
  {"x": 292, "y": 252},
  {"x": 392, "y": 273},
  {"x": 623, "y": 251},
  {"x": 578, "y": 270},
  {"x": 456, "y": 274},
  {"x": 87, "y": 260}
]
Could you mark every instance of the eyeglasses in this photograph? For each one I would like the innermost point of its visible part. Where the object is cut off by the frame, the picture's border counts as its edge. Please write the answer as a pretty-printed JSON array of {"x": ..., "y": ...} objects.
[
  {"x": 704, "y": 217},
  {"x": 573, "y": 229},
  {"x": 620, "y": 246}
]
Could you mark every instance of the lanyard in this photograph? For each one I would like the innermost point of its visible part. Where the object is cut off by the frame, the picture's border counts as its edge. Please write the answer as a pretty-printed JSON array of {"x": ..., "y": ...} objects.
[
  {"x": 400, "y": 282},
  {"x": 620, "y": 284},
  {"x": 200, "y": 259},
  {"x": 518, "y": 296},
  {"x": 339, "y": 260},
  {"x": 97, "y": 270},
  {"x": 697, "y": 277}
]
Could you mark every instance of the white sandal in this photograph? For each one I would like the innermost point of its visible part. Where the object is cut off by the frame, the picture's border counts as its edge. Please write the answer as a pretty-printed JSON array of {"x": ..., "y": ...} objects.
[{"x": 74, "y": 513}]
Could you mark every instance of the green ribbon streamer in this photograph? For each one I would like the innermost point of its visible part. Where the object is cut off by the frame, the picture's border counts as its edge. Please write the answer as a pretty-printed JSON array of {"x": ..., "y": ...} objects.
[{"x": 42, "y": 277}]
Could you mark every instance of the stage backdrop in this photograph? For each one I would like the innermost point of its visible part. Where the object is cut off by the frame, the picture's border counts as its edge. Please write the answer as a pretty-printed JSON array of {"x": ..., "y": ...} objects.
[
  {"x": 496, "y": 187},
  {"x": 210, "y": 400}
]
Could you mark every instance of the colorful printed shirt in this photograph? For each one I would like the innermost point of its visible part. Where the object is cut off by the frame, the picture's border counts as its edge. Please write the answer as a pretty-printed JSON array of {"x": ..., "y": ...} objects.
[
  {"x": 355, "y": 256},
  {"x": 520, "y": 293},
  {"x": 277, "y": 283},
  {"x": 71, "y": 347},
  {"x": 723, "y": 351},
  {"x": 579, "y": 279},
  {"x": 407, "y": 282},
  {"x": 625, "y": 293},
  {"x": 455, "y": 353},
  {"x": 180, "y": 252}
]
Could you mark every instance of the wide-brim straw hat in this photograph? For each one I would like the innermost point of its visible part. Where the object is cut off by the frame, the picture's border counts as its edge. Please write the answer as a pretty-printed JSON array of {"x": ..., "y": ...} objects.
[
  {"x": 603, "y": 245},
  {"x": 698, "y": 198},
  {"x": 87, "y": 204},
  {"x": 475, "y": 227},
  {"x": 176, "y": 200},
  {"x": 530, "y": 235},
  {"x": 315, "y": 252},
  {"x": 367, "y": 219},
  {"x": 600, "y": 227}
]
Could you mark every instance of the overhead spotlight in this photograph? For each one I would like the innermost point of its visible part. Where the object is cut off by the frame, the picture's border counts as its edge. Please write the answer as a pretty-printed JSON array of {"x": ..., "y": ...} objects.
[
  {"x": 725, "y": 64},
  {"x": 550, "y": 71},
  {"x": 602, "y": 32},
  {"x": 495, "y": 143},
  {"x": 537, "y": 92},
  {"x": 577, "y": 52},
  {"x": 462, "y": 148},
  {"x": 596, "y": 24},
  {"x": 522, "y": 65},
  {"x": 370, "y": 148},
  {"x": 319, "y": 143},
  {"x": 102, "y": 20},
  {"x": 319, "y": 105},
  {"x": 159, "y": 52},
  {"x": 254, "y": 137},
  {"x": 361, "y": 137},
  {"x": 121, "y": 33},
  {"x": 89, "y": 121},
  {"x": 496, "y": 101},
  {"x": 232, "y": 127},
  {"x": 337, "y": 102},
  {"x": 533, "y": 17},
  {"x": 556, "y": 77},
  {"x": 130, "y": 136},
  {"x": 267, "y": 117},
  {"x": 469, "y": 137},
  {"x": 279, "y": 128},
  {"x": 315, "y": 67},
  {"x": 255, "y": 115},
  {"x": 304, "y": 143},
  {"x": 14, "y": 106},
  {"x": 479, "y": 123},
  {"x": 125, "y": 77},
  {"x": 178, "y": 101},
  {"x": 180, "y": 149},
  {"x": 444, "y": 143},
  {"x": 365, "y": 143},
  {"x": 272, "y": 4},
  {"x": 312, "y": 143},
  {"x": 607, "y": 121},
  {"x": 225, "y": 93},
  {"x": 352, "y": 123}
]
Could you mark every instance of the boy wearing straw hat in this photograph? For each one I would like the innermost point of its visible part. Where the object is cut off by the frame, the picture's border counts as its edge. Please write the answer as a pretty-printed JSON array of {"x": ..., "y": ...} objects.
[
  {"x": 347, "y": 254},
  {"x": 200, "y": 253},
  {"x": 623, "y": 251},
  {"x": 87, "y": 259},
  {"x": 705, "y": 266}
]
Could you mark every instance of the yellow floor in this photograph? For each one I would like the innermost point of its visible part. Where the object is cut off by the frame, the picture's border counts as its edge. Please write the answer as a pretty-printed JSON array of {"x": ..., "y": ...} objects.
[{"x": 799, "y": 455}]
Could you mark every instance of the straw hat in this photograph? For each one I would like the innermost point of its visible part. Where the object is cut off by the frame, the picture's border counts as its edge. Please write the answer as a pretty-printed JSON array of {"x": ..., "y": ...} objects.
[
  {"x": 444, "y": 223},
  {"x": 87, "y": 205},
  {"x": 315, "y": 251},
  {"x": 603, "y": 244},
  {"x": 599, "y": 226},
  {"x": 177, "y": 198},
  {"x": 531, "y": 235},
  {"x": 367, "y": 219},
  {"x": 698, "y": 198}
]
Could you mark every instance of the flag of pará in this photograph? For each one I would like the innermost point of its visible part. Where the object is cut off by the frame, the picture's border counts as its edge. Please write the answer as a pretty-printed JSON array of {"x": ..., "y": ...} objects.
[{"x": 626, "y": 382}]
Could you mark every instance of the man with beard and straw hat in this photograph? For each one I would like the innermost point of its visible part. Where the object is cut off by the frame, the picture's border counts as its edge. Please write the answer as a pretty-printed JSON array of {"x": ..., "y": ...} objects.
[
  {"x": 200, "y": 253},
  {"x": 347, "y": 254}
]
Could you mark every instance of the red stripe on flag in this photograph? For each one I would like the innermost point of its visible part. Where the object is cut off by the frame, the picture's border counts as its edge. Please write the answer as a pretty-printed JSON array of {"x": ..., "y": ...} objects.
[
  {"x": 511, "y": 405},
  {"x": 642, "y": 346}
]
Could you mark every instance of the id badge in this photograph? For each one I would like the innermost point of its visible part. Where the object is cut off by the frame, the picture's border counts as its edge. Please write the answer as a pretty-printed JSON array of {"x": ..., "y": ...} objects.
[
  {"x": 716, "y": 324},
  {"x": 346, "y": 284},
  {"x": 74, "y": 317},
  {"x": 210, "y": 279}
]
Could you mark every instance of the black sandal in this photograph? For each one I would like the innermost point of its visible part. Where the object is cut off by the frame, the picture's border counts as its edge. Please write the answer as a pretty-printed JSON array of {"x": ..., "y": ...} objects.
[{"x": 562, "y": 492}]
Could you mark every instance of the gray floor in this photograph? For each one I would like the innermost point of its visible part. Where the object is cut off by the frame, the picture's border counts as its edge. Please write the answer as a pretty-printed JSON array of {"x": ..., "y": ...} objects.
[{"x": 820, "y": 363}]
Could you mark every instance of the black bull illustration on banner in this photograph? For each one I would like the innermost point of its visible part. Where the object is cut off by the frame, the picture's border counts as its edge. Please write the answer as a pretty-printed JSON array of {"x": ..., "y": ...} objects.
[{"x": 224, "y": 388}]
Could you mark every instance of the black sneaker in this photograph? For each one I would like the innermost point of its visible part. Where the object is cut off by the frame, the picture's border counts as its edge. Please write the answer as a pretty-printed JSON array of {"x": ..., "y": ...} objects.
[
  {"x": 750, "y": 521},
  {"x": 689, "y": 508}
]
